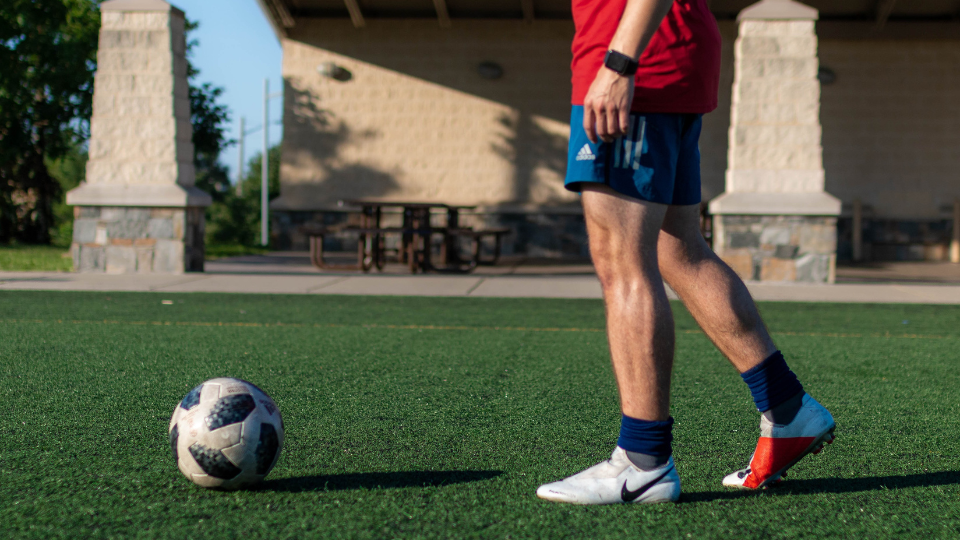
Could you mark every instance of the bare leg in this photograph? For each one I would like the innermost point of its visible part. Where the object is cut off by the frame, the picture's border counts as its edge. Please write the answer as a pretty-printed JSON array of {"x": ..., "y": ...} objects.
[
  {"x": 623, "y": 243},
  {"x": 714, "y": 294}
]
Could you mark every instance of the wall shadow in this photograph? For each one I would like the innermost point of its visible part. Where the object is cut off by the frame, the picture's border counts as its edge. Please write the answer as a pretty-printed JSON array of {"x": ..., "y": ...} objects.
[
  {"x": 535, "y": 81},
  {"x": 545, "y": 150},
  {"x": 834, "y": 485},
  {"x": 305, "y": 120},
  {"x": 313, "y": 140},
  {"x": 376, "y": 480},
  {"x": 549, "y": 234}
]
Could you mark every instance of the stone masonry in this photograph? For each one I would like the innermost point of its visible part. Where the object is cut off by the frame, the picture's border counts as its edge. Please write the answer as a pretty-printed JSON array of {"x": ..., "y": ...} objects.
[
  {"x": 775, "y": 222},
  {"x": 779, "y": 248},
  {"x": 124, "y": 240},
  {"x": 138, "y": 210}
]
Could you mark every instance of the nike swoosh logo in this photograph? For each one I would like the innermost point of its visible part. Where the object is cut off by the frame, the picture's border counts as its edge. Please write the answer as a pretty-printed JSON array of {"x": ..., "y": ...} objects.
[{"x": 630, "y": 496}]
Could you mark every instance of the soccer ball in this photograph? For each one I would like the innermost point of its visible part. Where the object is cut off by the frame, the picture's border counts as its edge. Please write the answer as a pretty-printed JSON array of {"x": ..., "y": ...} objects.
[{"x": 226, "y": 434}]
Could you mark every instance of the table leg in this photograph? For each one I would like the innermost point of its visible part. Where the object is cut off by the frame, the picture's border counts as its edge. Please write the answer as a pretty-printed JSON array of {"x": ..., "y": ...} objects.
[
  {"x": 449, "y": 253},
  {"x": 406, "y": 240},
  {"x": 379, "y": 256}
]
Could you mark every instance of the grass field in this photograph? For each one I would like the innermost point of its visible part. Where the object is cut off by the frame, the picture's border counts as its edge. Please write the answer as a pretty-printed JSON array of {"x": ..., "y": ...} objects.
[
  {"x": 438, "y": 418},
  {"x": 28, "y": 258}
]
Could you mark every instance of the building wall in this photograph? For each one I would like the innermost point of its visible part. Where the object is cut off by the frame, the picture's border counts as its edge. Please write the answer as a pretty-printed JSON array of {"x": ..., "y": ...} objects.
[
  {"x": 891, "y": 125},
  {"x": 416, "y": 121}
]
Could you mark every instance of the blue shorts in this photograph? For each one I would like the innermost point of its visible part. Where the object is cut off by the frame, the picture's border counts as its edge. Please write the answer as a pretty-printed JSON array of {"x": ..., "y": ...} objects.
[{"x": 657, "y": 161}]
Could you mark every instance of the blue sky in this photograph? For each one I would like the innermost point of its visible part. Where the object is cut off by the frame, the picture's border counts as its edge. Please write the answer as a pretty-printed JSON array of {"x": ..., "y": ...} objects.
[{"x": 237, "y": 50}]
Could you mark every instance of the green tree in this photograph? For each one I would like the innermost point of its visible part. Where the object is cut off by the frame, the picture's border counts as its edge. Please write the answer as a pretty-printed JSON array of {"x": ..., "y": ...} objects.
[
  {"x": 236, "y": 220},
  {"x": 47, "y": 61},
  {"x": 69, "y": 170}
]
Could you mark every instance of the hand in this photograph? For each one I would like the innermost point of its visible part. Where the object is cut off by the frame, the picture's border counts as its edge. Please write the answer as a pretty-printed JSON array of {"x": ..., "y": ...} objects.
[{"x": 606, "y": 109}]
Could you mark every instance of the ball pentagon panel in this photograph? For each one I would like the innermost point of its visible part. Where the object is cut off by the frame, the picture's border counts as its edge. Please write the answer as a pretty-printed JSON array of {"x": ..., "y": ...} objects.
[{"x": 226, "y": 434}]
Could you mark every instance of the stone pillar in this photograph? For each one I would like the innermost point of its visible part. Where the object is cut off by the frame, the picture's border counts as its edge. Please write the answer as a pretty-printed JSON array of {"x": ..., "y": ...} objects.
[
  {"x": 138, "y": 210},
  {"x": 774, "y": 222}
]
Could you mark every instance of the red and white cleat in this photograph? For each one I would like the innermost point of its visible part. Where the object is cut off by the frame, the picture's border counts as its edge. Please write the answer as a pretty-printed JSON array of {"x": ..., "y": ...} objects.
[{"x": 781, "y": 446}]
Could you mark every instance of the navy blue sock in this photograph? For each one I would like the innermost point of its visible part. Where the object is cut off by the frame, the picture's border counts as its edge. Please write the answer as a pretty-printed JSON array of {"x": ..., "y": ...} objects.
[
  {"x": 648, "y": 444},
  {"x": 772, "y": 383}
]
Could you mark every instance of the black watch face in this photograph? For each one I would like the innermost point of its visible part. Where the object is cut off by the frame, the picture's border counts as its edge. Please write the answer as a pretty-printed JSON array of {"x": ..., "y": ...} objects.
[{"x": 617, "y": 62}]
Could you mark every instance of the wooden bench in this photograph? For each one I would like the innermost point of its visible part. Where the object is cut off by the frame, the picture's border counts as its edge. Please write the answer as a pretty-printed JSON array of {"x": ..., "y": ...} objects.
[
  {"x": 476, "y": 237},
  {"x": 415, "y": 248},
  {"x": 370, "y": 246}
]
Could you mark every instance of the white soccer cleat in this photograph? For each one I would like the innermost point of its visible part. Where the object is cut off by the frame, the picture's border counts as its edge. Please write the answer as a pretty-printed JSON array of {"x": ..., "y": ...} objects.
[
  {"x": 616, "y": 481},
  {"x": 782, "y": 446}
]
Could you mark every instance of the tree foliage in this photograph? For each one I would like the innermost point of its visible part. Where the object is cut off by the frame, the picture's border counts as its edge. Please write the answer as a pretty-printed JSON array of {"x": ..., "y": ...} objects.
[
  {"x": 47, "y": 63},
  {"x": 47, "y": 60},
  {"x": 236, "y": 220}
]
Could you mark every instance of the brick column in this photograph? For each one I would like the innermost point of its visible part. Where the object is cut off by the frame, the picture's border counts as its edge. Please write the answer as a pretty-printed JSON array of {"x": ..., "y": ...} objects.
[
  {"x": 138, "y": 210},
  {"x": 775, "y": 222}
]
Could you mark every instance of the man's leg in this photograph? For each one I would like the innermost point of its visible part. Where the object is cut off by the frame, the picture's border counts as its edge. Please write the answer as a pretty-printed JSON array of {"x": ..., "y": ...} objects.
[
  {"x": 623, "y": 244},
  {"x": 623, "y": 236},
  {"x": 793, "y": 423},
  {"x": 711, "y": 291}
]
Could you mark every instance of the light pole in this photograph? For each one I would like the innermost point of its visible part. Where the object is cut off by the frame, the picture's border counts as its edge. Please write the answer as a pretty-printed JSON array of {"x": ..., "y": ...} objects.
[
  {"x": 239, "y": 187},
  {"x": 265, "y": 164}
]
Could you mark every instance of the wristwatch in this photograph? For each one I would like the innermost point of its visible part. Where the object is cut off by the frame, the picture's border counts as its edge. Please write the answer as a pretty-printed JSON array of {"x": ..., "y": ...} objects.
[{"x": 621, "y": 63}]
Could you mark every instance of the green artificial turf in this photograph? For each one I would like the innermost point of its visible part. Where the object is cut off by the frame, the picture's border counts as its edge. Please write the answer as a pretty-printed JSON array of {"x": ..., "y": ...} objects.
[
  {"x": 26, "y": 258},
  {"x": 427, "y": 417}
]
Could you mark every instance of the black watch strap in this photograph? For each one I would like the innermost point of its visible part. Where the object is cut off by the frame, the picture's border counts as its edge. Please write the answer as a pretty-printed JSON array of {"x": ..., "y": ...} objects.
[{"x": 621, "y": 63}]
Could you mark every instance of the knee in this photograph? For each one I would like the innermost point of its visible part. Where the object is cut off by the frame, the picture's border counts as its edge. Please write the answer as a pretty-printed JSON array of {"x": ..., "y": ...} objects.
[
  {"x": 625, "y": 274},
  {"x": 678, "y": 258}
]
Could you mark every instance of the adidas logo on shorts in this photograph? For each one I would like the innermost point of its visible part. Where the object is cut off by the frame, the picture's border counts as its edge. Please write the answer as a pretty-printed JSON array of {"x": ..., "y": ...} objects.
[{"x": 585, "y": 154}]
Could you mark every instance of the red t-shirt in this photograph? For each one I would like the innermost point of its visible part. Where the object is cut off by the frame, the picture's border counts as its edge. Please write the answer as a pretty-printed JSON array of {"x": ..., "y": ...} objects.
[{"x": 680, "y": 68}]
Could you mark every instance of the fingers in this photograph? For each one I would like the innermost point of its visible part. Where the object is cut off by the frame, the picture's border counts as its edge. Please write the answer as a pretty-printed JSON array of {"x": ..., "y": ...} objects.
[
  {"x": 624, "y": 122},
  {"x": 614, "y": 127},
  {"x": 603, "y": 130},
  {"x": 590, "y": 124},
  {"x": 611, "y": 124},
  {"x": 605, "y": 123}
]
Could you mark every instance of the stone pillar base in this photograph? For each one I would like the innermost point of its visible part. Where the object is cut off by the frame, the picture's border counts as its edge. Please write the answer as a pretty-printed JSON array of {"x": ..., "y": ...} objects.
[
  {"x": 778, "y": 248},
  {"x": 126, "y": 240}
]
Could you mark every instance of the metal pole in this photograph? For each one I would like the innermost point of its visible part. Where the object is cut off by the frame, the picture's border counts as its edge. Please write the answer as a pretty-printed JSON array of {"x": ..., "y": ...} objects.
[
  {"x": 265, "y": 166},
  {"x": 239, "y": 187},
  {"x": 955, "y": 243},
  {"x": 857, "y": 230}
]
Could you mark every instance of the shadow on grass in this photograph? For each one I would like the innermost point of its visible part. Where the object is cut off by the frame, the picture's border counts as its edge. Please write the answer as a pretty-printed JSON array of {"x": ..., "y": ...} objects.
[
  {"x": 834, "y": 485},
  {"x": 381, "y": 480}
]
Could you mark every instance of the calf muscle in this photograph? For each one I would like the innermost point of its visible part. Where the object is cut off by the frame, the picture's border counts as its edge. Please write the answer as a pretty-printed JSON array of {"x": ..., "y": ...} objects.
[{"x": 711, "y": 291}]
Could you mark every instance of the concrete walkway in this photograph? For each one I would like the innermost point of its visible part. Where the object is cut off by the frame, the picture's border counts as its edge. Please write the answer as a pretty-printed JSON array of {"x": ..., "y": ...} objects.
[{"x": 289, "y": 274}]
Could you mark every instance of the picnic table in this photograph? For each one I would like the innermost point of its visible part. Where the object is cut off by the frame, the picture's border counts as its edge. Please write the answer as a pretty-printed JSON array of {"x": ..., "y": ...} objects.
[{"x": 414, "y": 238}]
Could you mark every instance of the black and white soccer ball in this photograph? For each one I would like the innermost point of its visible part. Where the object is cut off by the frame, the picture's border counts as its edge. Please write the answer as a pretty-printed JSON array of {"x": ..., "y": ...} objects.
[{"x": 226, "y": 434}]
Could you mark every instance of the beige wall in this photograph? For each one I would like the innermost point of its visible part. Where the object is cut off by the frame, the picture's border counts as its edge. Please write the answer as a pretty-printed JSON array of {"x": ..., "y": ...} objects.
[
  {"x": 891, "y": 125},
  {"x": 416, "y": 121}
]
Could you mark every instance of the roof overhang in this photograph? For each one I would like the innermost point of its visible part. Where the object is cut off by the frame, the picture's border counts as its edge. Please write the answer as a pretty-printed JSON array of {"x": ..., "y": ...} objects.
[{"x": 284, "y": 14}]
